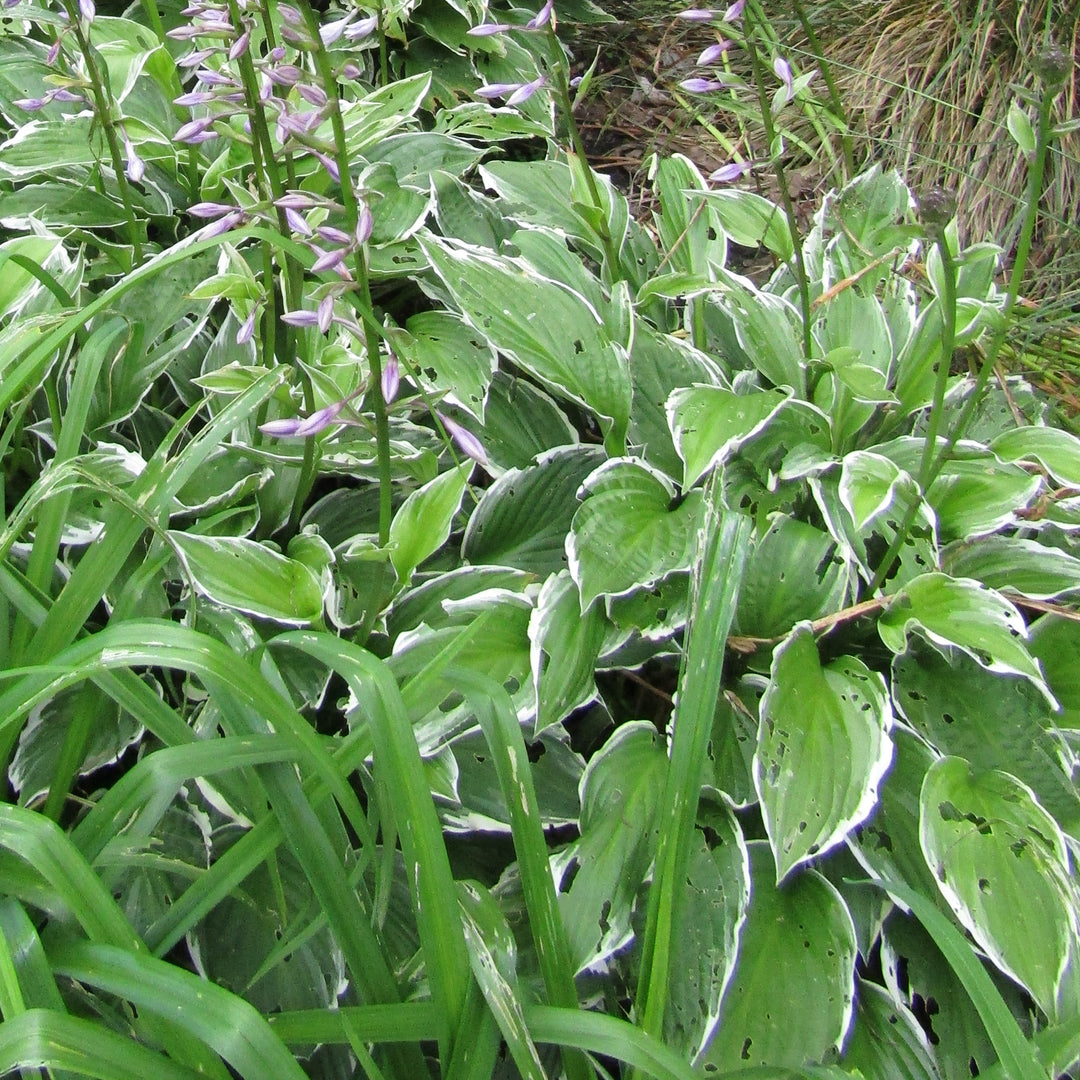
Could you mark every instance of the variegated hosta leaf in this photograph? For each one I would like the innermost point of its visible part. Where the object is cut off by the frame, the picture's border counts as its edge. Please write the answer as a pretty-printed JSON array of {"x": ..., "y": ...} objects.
[
  {"x": 599, "y": 875},
  {"x": 548, "y": 329},
  {"x": 565, "y": 643},
  {"x": 886, "y": 1039},
  {"x": 1002, "y": 864},
  {"x": 794, "y": 572},
  {"x": 711, "y": 918},
  {"x": 823, "y": 748},
  {"x": 791, "y": 998},
  {"x": 523, "y": 518},
  {"x": 871, "y": 485},
  {"x": 1058, "y": 451},
  {"x": 1013, "y": 564},
  {"x": 422, "y": 522},
  {"x": 962, "y": 612},
  {"x": 627, "y": 533},
  {"x": 709, "y": 424},
  {"x": 249, "y": 577}
]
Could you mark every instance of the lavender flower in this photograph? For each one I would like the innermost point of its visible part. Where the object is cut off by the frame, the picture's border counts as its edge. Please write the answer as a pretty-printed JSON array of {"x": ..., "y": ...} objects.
[
  {"x": 488, "y": 29},
  {"x": 735, "y": 11},
  {"x": 324, "y": 315},
  {"x": 362, "y": 28},
  {"x": 713, "y": 53},
  {"x": 696, "y": 15},
  {"x": 730, "y": 172},
  {"x": 783, "y": 72},
  {"x": 702, "y": 86},
  {"x": 247, "y": 327},
  {"x": 542, "y": 17},
  {"x": 87, "y": 10},
  {"x": 391, "y": 379},
  {"x": 365, "y": 223},
  {"x": 299, "y": 428},
  {"x": 136, "y": 167},
  {"x": 466, "y": 441}
]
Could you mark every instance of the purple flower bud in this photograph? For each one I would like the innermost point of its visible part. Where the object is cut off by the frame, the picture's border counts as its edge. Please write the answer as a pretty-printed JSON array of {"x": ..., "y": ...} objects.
[
  {"x": 730, "y": 172},
  {"x": 364, "y": 224},
  {"x": 526, "y": 91},
  {"x": 497, "y": 90},
  {"x": 240, "y": 45},
  {"x": 362, "y": 28},
  {"x": 333, "y": 30},
  {"x": 735, "y": 11},
  {"x": 696, "y": 15},
  {"x": 543, "y": 16},
  {"x": 333, "y": 236},
  {"x": 87, "y": 10},
  {"x": 301, "y": 317},
  {"x": 330, "y": 166},
  {"x": 210, "y": 209},
  {"x": 65, "y": 95},
  {"x": 300, "y": 39},
  {"x": 391, "y": 379},
  {"x": 54, "y": 52},
  {"x": 713, "y": 53},
  {"x": 702, "y": 86},
  {"x": 326, "y": 260},
  {"x": 351, "y": 70},
  {"x": 222, "y": 225},
  {"x": 783, "y": 72},
  {"x": 284, "y": 75},
  {"x": 466, "y": 441},
  {"x": 247, "y": 327},
  {"x": 290, "y": 15},
  {"x": 297, "y": 222},
  {"x": 30, "y": 104},
  {"x": 313, "y": 95},
  {"x": 213, "y": 78},
  {"x": 194, "y": 59},
  {"x": 297, "y": 428},
  {"x": 488, "y": 29},
  {"x": 295, "y": 200},
  {"x": 136, "y": 167},
  {"x": 325, "y": 312},
  {"x": 198, "y": 97},
  {"x": 193, "y": 131}
]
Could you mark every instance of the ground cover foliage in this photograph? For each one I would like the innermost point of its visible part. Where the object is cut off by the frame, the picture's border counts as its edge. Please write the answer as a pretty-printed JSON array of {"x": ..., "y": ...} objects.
[{"x": 451, "y": 625}]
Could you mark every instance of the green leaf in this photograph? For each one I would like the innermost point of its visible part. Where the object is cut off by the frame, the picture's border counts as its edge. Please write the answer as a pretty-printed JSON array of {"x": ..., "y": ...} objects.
[
  {"x": 521, "y": 421},
  {"x": 886, "y": 1040},
  {"x": 1002, "y": 864},
  {"x": 1055, "y": 643},
  {"x": 976, "y": 497},
  {"x": 794, "y": 573},
  {"x": 709, "y": 424},
  {"x": 1014, "y": 564},
  {"x": 249, "y": 577},
  {"x": 545, "y": 327},
  {"x": 1012, "y": 728},
  {"x": 962, "y": 612},
  {"x": 1058, "y": 451},
  {"x": 798, "y": 936},
  {"x": 750, "y": 220},
  {"x": 1019, "y": 125},
  {"x": 422, "y": 522},
  {"x": 626, "y": 533},
  {"x": 823, "y": 748},
  {"x": 599, "y": 874},
  {"x": 523, "y": 518},
  {"x": 871, "y": 485},
  {"x": 565, "y": 643}
]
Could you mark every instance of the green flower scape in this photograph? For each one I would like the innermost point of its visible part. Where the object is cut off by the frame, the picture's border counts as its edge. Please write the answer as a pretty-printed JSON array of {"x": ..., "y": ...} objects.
[{"x": 454, "y": 623}]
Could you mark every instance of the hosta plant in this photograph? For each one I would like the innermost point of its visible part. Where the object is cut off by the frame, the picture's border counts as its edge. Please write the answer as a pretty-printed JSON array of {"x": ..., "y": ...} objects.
[{"x": 451, "y": 625}]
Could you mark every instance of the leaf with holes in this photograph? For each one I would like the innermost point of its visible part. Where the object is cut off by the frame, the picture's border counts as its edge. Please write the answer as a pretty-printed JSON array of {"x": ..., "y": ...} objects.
[
  {"x": 823, "y": 748},
  {"x": 791, "y": 998},
  {"x": 962, "y": 612},
  {"x": 1002, "y": 864}
]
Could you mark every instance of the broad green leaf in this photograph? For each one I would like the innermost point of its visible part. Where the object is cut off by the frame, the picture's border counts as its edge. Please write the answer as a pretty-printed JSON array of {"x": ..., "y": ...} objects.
[
  {"x": 977, "y": 497},
  {"x": 422, "y": 522},
  {"x": 823, "y": 748},
  {"x": 599, "y": 874},
  {"x": 886, "y": 1040},
  {"x": 709, "y": 424},
  {"x": 250, "y": 577},
  {"x": 684, "y": 223},
  {"x": 660, "y": 364},
  {"x": 914, "y": 965},
  {"x": 425, "y": 602},
  {"x": 521, "y": 421},
  {"x": 791, "y": 999},
  {"x": 962, "y": 612},
  {"x": 548, "y": 329},
  {"x": 523, "y": 518},
  {"x": 750, "y": 220},
  {"x": 1057, "y": 450},
  {"x": 1014, "y": 564},
  {"x": 871, "y": 485},
  {"x": 1055, "y": 643},
  {"x": 794, "y": 572},
  {"x": 565, "y": 643},
  {"x": 1019, "y": 125},
  {"x": 449, "y": 355},
  {"x": 1002, "y": 864},
  {"x": 626, "y": 533},
  {"x": 711, "y": 913},
  {"x": 1010, "y": 729}
]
